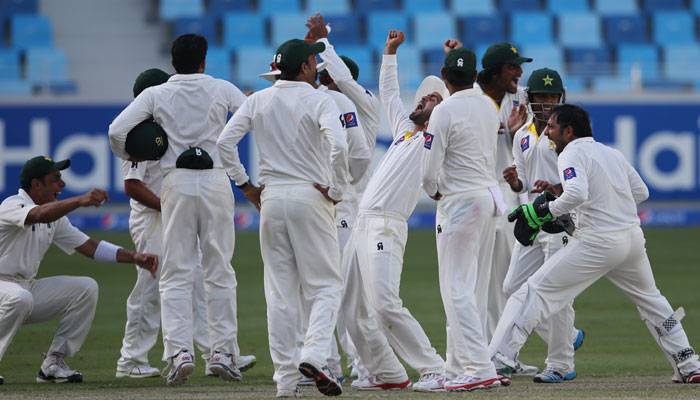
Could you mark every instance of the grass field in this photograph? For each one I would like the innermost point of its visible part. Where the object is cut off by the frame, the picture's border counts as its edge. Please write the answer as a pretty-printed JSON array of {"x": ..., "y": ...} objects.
[{"x": 618, "y": 360}]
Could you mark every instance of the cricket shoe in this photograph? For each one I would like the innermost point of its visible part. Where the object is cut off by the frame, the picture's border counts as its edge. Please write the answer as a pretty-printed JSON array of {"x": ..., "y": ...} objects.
[
  {"x": 143, "y": 371},
  {"x": 243, "y": 363},
  {"x": 693, "y": 377},
  {"x": 326, "y": 383},
  {"x": 288, "y": 393},
  {"x": 179, "y": 368},
  {"x": 55, "y": 370},
  {"x": 523, "y": 369},
  {"x": 551, "y": 375},
  {"x": 430, "y": 382},
  {"x": 374, "y": 383},
  {"x": 222, "y": 365},
  {"x": 468, "y": 383},
  {"x": 580, "y": 337},
  {"x": 2, "y": 380},
  {"x": 504, "y": 379}
]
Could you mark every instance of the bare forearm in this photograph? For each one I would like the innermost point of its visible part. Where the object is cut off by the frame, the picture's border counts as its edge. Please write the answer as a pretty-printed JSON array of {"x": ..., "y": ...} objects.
[
  {"x": 51, "y": 212},
  {"x": 125, "y": 256},
  {"x": 139, "y": 192}
]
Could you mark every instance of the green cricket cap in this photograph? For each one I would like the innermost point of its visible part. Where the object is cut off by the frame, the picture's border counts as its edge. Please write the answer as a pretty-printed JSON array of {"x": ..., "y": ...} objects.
[
  {"x": 292, "y": 53},
  {"x": 502, "y": 53},
  {"x": 146, "y": 141},
  {"x": 352, "y": 66},
  {"x": 461, "y": 60},
  {"x": 148, "y": 78},
  {"x": 545, "y": 80},
  {"x": 38, "y": 167}
]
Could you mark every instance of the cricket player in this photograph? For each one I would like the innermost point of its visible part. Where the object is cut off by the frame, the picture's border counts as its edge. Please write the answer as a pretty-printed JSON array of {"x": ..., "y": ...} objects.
[
  {"x": 30, "y": 222},
  {"x": 196, "y": 206},
  {"x": 304, "y": 171},
  {"x": 459, "y": 173},
  {"x": 602, "y": 189},
  {"x": 536, "y": 161}
]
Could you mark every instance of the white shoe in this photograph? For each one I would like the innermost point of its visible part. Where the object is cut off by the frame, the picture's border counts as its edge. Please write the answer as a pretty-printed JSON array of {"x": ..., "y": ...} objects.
[
  {"x": 523, "y": 369},
  {"x": 180, "y": 367},
  {"x": 430, "y": 382},
  {"x": 467, "y": 383},
  {"x": 222, "y": 365},
  {"x": 144, "y": 371},
  {"x": 245, "y": 363},
  {"x": 293, "y": 393},
  {"x": 55, "y": 370},
  {"x": 374, "y": 383},
  {"x": 326, "y": 383}
]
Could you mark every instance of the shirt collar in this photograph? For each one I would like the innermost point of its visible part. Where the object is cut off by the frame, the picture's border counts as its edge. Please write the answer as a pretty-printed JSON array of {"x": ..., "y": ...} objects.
[
  {"x": 25, "y": 196},
  {"x": 283, "y": 83},
  {"x": 582, "y": 140},
  {"x": 188, "y": 77},
  {"x": 467, "y": 93}
]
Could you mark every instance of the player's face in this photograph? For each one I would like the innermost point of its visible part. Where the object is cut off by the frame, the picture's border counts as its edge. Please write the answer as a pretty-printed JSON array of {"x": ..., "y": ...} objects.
[
  {"x": 542, "y": 104},
  {"x": 555, "y": 134},
  {"x": 48, "y": 188},
  {"x": 425, "y": 107},
  {"x": 509, "y": 77}
]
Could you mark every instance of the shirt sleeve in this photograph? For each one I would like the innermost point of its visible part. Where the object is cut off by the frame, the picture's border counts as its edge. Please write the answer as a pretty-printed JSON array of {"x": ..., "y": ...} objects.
[
  {"x": 13, "y": 213},
  {"x": 390, "y": 94},
  {"x": 227, "y": 144},
  {"x": 67, "y": 237},
  {"x": 134, "y": 170},
  {"x": 640, "y": 191},
  {"x": 236, "y": 98},
  {"x": 519, "y": 158},
  {"x": 332, "y": 129},
  {"x": 572, "y": 169},
  {"x": 435, "y": 143},
  {"x": 140, "y": 109},
  {"x": 359, "y": 153}
]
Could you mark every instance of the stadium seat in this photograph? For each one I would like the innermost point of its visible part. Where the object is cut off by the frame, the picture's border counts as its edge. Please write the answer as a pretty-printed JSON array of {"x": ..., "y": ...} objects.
[
  {"x": 695, "y": 6},
  {"x": 625, "y": 29},
  {"x": 380, "y": 23},
  {"x": 431, "y": 30},
  {"x": 667, "y": 86},
  {"x": 414, "y": 7},
  {"x": 617, "y": 7},
  {"x": 250, "y": 62},
  {"x": 611, "y": 85},
  {"x": 218, "y": 63},
  {"x": 328, "y": 6},
  {"x": 221, "y": 7},
  {"x": 410, "y": 69},
  {"x": 287, "y": 26},
  {"x": 46, "y": 66},
  {"x": 243, "y": 30},
  {"x": 15, "y": 87},
  {"x": 545, "y": 56},
  {"x": 367, "y": 6},
  {"x": 644, "y": 56},
  {"x": 28, "y": 30},
  {"x": 204, "y": 26},
  {"x": 482, "y": 29},
  {"x": 171, "y": 9},
  {"x": 531, "y": 28},
  {"x": 9, "y": 65},
  {"x": 345, "y": 29},
  {"x": 520, "y": 5},
  {"x": 433, "y": 61},
  {"x": 589, "y": 62},
  {"x": 684, "y": 61},
  {"x": 567, "y": 6},
  {"x": 581, "y": 29},
  {"x": 575, "y": 84},
  {"x": 11, "y": 7},
  {"x": 673, "y": 27},
  {"x": 364, "y": 58},
  {"x": 272, "y": 7},
  {"x": 659, "y": 5},
  {"x": 472, "y": 7}
]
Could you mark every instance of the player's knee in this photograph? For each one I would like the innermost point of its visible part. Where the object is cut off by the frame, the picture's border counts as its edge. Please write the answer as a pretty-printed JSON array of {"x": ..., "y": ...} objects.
[
  {"x": 22, "y": 301},
  {"x": 90, "y": 289}
]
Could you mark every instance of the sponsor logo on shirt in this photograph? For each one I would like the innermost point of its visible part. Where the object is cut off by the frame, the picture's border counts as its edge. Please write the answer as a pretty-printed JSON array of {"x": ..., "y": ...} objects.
[
  {"x": 350, "y": 120},
  {"x": 407, "y": 135},
  {"x": 525, "y": 143},
  {"x": 428, "y": 143},
  {"x": 569, "y": 173}
]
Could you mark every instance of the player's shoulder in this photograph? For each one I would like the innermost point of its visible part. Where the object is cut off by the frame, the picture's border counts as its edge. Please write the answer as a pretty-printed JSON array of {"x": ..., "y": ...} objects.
[{"x": 10, "y": 201}]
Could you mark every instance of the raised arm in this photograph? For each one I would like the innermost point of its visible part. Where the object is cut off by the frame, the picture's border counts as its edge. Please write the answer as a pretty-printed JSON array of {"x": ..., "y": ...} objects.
[{"x": 389, "y": 91}]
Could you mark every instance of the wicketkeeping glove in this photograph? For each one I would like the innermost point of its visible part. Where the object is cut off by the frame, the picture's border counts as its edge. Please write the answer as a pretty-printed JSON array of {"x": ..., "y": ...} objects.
[
  {"x": 525, "y": 232},
  {"x": 562, "y": 223},
  {"x": 537, "y": 213}
]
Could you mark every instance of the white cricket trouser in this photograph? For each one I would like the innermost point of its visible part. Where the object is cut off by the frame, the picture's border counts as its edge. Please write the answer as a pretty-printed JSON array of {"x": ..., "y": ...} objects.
[
  {"x": 197, "y": 213},
  {"x": 299, "y": 246},
  {"x": 502, "y": 253},
  {"x": 465, "y": 238},
  {"x": 619, "y": 256},
  {"x": 143, "y": 304},
  {"x": 380, "y": 245},
  {"x": 558, "y": 331},
  {"x": 73, "y": 298}
]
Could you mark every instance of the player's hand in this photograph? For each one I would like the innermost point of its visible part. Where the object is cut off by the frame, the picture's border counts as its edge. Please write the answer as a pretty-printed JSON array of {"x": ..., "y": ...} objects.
[
  {"x": 95, "y": 198},
  {"x": 252, "y": 193},
  {"x": 149, "y": 262},
  {"x": 317, "y": 28},
  {"x": 393, "y": 41},
  {"x": 545, "y": 186},
  {"x": 451, "y": 44},
  {"x": 324, "y": 191},
  {"x": 510, "y": 174},
  {"x": 517, "y": 118}
]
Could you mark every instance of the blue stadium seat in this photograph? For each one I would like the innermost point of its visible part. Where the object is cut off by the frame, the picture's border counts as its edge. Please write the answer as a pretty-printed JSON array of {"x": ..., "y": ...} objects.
[
  {"x": 531, "y": 28},
  {"x": 545, "y": 56},
  {"x": 659, "y": 5},
  {"x": 250, "y": 62},
  {"x": 367, "y": 6},
  {"x": 287, "y": 26},
  {"x": 9, "y": 65},
  {"x": 28, "y": 30},
  {"x": 364, "y": 58},
  {"x": 410, "y": 68},
  {"x": 673, "y": 27},
  {"x": 218, "y": 63},
  {"x": 482, "y": 29},
  {"x": 616, "y": 7},
  {"x": 344, "y": 29},
  {"x": 433, "y": 61},
  {"x": 221, "y": 7},
  {"x": 581, "y": 29},
  {"x": 695, "y": 6},
  {"x": 520, "y": 5},
  {"x": 611, "y": 84},
  {"x": 205, "y": 26},
  {"x": 589, "y": 62},
  {"x": 271, "y": 7},
  {"x": 328, "y": 6},
  {"x": 472, "y": 7},
  {"x": 243, "y": 30},
  {"x": 666, "y": 86},
  {"x": 682, "y": 62},
  {"x": 380, "y": 23},
  {"x": 625, "y": 29},
  {"x": 11, "y": 7},
  {"x": 431, "y": 30},
  {"x": 567, "y": 6},
  {"x": 645, "y": 56},
  {"x": 46, "y": 66},
  {"x": 575, "y": 84},
  {"x": 15, "y": 87},
  {"x": 171, "y": 9},
  {"x": 422, "y": 6}
]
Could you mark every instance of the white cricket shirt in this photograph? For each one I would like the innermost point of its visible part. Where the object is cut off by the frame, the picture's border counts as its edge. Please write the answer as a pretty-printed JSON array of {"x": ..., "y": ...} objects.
[
  {"x": 600, "y": 187},
  {"x": 191, "y": 108},
  {"x": 298, "y": 135},
  {"x": 461, "y": 144},
  {"x": 535, "y": 158},
  {"x": 148, "y": 172},
  {"x": 22, "y": 247}
]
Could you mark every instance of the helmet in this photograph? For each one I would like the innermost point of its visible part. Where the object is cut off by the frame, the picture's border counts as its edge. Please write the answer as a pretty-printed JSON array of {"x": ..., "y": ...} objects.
[{"x": 544, "y": 81}]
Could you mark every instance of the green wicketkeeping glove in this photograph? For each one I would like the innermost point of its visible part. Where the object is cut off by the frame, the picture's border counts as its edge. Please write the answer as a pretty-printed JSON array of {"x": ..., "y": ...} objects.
[
  {"x": 524, "y": 231},
  {"x": 537, "y": 213}
]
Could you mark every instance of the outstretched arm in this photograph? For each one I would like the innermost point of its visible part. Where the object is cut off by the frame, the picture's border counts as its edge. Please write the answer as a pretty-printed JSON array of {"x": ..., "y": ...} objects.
[
  {"x": 54, "y": 210},
  {"x": 104, "y": 251}
]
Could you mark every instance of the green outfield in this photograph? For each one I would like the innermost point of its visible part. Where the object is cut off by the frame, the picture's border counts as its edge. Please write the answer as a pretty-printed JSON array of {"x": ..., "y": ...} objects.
[{"x": 618, "y": 360}]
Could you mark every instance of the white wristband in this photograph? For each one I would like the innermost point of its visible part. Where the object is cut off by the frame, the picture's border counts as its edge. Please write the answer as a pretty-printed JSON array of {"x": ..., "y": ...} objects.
[{"x": 106, "y": 251}]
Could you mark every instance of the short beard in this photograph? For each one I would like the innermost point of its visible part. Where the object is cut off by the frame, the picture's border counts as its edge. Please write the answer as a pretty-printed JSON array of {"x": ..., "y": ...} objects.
[{"x": 419, "y": 117}]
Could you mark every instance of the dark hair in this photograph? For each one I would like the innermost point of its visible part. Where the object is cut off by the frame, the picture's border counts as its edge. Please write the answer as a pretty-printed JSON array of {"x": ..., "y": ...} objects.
[
  {"x": 485, "y": 76},
  {"x": 26, "y": 186},
  {"x": 188, "y": 53},
  {"x": 290, "y": 74},
  {"x": 457, "y": 78},
  {"x": 575, "y": 117}
]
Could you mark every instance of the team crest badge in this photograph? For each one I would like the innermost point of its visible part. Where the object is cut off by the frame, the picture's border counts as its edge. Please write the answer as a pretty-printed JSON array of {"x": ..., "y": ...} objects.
[
  {"x": 350, "y": 120},
  {"x": 428, "y": 142},
  {"x": 525, "y": 143},
  {"x": 569, "y": 173}
]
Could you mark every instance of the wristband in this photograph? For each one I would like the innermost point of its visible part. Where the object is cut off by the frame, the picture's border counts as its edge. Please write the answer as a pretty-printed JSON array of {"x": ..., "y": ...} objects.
[{"x": 106, "y": 252}]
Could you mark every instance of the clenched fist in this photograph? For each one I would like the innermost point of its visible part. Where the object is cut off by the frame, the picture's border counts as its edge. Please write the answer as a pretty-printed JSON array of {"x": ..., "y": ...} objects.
[
  {"x": 510, "y": 174},
  {"x": 149, "y": 262},
  {"x": 95, "y": 198},
  {"x": 393, "y": 41}
]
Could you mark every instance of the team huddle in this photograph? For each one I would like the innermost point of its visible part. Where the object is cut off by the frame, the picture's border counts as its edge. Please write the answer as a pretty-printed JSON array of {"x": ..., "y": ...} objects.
[{"x": 531, "y": 211}]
